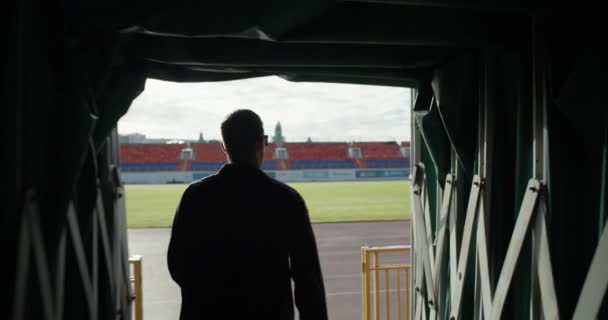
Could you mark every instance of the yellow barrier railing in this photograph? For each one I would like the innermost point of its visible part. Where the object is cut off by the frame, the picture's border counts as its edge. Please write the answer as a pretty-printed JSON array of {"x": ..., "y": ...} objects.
[
  {"x": 138, "y": 293},
  {"x": 370, "y": 295}
]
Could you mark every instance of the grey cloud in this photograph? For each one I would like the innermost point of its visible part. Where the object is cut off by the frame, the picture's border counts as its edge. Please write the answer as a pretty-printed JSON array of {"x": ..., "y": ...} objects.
[{"x": 336, "y": 111}]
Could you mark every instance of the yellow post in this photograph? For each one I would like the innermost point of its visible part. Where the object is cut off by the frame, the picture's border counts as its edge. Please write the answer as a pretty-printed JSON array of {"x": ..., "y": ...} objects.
[
  {"x": 364, "y": 285},
  {"x": 376, "y": 287},
  {"x": 387, "y": 291},
  {"x": 407, "y": 293},
  {"x": 398, "y": 294},
  {"x": 138, "y": 287}
]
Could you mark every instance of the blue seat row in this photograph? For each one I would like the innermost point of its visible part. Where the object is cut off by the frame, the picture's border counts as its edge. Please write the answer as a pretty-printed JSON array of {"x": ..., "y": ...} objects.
[
  {"x": 321, "y": 164},
  {"x": 149, "y": 166},
  {"x": 388, "y": 163},
  {"x": 213, "y": 166},
  {"x": 270, "y": 165},
  {"x": 206, "y": 166}
]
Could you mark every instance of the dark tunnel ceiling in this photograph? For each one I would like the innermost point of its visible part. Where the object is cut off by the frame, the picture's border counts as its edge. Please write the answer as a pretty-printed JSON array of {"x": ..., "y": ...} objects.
[{"x": 370, "y": 42}]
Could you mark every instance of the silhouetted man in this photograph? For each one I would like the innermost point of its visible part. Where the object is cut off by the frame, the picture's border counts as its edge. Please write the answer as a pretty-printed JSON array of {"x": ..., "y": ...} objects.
[{"x": 239, "y": 237}]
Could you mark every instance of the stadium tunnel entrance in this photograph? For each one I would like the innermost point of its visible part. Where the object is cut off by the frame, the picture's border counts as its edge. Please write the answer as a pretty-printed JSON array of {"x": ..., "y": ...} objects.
[
  {"x": 499, "y": 95},
  {"x": 317, "y": 132},
  {"x": 357, "y": 185}
]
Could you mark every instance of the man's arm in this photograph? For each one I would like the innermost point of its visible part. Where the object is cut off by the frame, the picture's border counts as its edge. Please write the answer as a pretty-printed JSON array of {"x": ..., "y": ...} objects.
[
  {"x": 178, "y": 245},
  {"x": 309, "y": 290}
]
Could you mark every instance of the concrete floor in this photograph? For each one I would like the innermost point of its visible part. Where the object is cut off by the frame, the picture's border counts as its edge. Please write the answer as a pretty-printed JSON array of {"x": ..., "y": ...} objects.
[{"x": 339, "y": 249}]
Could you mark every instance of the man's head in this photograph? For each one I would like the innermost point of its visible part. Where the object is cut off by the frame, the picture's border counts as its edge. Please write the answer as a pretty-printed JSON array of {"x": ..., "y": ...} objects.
[{"x": 244, "y": 139}]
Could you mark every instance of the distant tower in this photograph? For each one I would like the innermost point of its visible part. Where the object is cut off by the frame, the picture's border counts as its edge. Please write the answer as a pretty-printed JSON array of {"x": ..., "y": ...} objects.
[
  {"x": 278, "y": 134},
  {"x": 200, "y": 138},
  {"x": 187, "y": 154}
]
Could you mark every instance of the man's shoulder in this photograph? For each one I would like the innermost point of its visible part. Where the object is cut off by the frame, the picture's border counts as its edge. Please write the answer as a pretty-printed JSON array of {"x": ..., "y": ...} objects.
[
  {"x": 285, "y": 190},
  {"x": 203, "y": 184}
]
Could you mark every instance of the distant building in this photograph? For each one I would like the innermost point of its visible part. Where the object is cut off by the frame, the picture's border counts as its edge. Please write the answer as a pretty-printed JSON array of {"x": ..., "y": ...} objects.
[
  {"x": 138, "y": 138},
  {"x": 132, "y": 138}
]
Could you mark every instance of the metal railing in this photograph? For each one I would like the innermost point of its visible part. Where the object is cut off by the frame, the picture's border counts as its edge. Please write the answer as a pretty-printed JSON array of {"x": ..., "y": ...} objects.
[
  {"x": 371, "y": 270},
  {"x": 138, "y": 293}
]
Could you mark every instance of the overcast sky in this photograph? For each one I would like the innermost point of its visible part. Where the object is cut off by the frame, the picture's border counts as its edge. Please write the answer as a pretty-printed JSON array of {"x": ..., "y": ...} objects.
[{"x": 323, "y": 111}]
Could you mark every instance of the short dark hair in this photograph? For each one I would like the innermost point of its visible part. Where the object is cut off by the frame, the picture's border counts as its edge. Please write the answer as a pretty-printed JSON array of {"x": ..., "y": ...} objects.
[{"x": 241, "y": 130}]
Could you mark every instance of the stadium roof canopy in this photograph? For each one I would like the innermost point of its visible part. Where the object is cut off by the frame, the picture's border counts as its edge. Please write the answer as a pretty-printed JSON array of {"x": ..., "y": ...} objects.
[{"x": 388, "y": 42}]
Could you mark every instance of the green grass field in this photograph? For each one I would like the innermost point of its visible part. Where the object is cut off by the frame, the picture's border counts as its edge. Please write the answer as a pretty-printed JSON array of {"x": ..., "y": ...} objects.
[{"x": 154, "y": 205}]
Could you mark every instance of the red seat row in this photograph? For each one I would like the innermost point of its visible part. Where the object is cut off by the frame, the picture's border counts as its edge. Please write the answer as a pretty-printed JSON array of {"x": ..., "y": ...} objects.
[
  {"x": 317, "y": 150},
  {"x": 146, "y": 153},
  {"x": 379, "y": 150}
]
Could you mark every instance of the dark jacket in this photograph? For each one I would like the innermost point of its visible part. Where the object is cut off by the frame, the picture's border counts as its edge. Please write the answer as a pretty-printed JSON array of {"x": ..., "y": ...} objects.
[{"x": 238, "y": 239}]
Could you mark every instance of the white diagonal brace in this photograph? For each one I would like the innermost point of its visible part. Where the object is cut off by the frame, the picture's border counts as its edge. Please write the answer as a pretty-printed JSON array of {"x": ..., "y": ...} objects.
[
  {"x": 472, "y": 209},
  {"x": 482, "y": 260},
  {"x": 453, "y": 252},
  {"x": 517, "y": 239},
  {"x": 419, "y": 269},
  {"x": 419, "y": 306},
  {"x": 443, "y": 222},
  {"x": 596, "y": 283},
  {"x": 441, "y": 252},
  {"x": 104, "y": 233},
  {"x": 421, "y": 237},
  {"x": 120, "y": 261},
  {"x": 423, "y": 249},
  {"x": 80, "y": 256},
  {"x": 40, "y": 258},
  {"x": 22, "y": 274},
  {"x": 417, "y": 182},
  {"x": 427, "y": 226},
  {"x": 432, "y": 314},
  {"x": 477, "y": 304},
  {"x": 545, "y": 270},
  {"x": 60, "y": 274}
]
